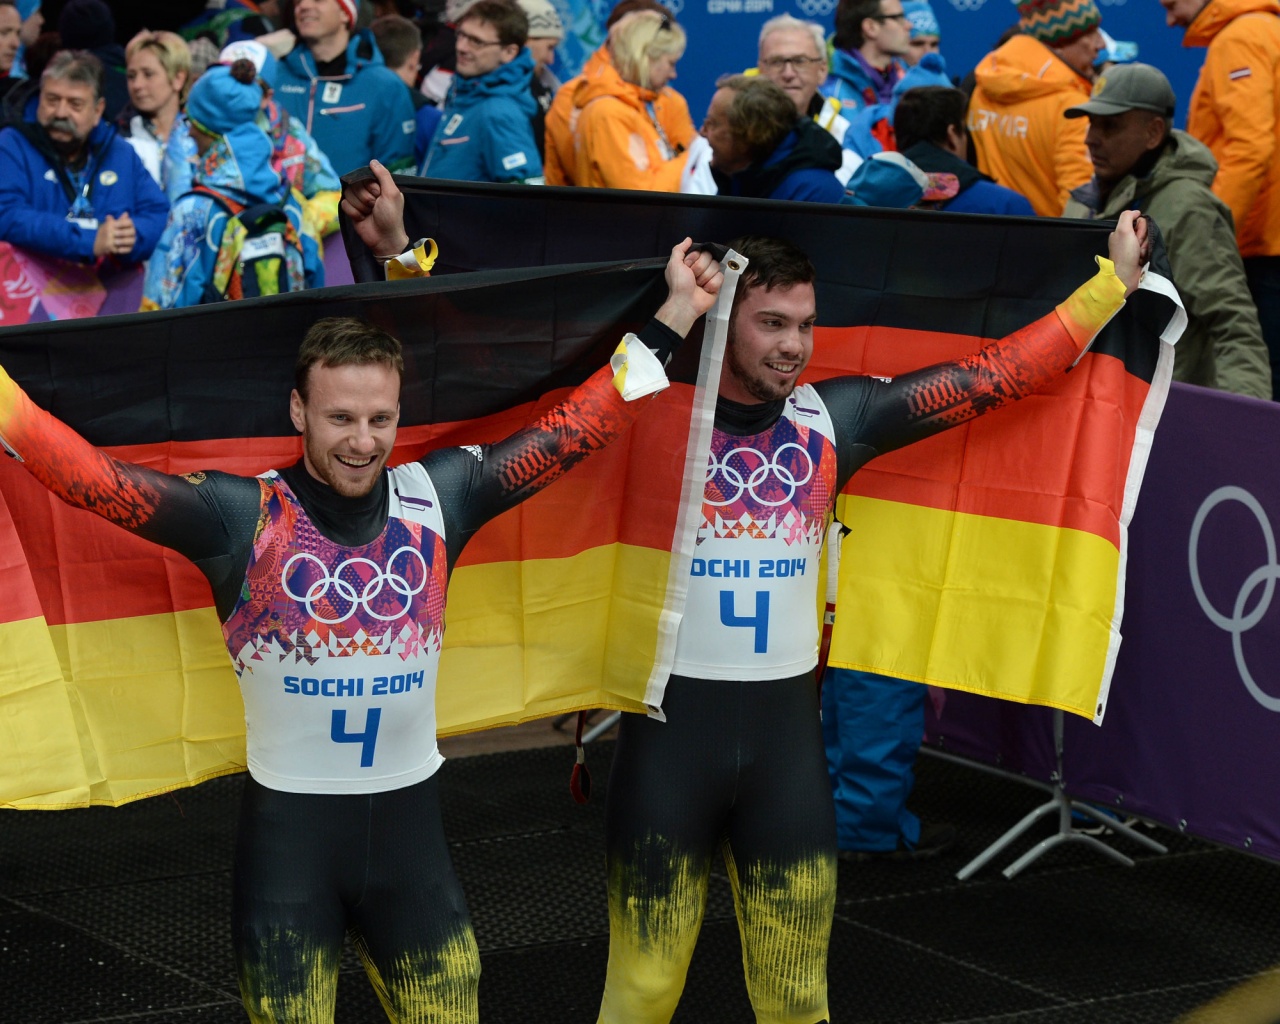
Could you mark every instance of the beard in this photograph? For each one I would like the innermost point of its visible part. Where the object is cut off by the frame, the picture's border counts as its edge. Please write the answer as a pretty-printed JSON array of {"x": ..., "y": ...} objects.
[
  {"x": 65, "y": 148},
  {"x": 753, "y": 383}
]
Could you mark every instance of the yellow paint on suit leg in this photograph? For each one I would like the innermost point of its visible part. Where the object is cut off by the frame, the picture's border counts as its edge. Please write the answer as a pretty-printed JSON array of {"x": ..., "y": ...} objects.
[
  {"x": 656, "y": 901},
  {"x": 785, "y": 912},
  {"x": 291, "y": 980},
  {"x": 437, "y": 986}
]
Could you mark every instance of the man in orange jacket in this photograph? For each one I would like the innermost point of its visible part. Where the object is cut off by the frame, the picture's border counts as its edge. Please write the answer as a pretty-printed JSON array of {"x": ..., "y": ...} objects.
[
  {"x": 1235, "y": 111},
  {"x": 1015, "y": 114}
]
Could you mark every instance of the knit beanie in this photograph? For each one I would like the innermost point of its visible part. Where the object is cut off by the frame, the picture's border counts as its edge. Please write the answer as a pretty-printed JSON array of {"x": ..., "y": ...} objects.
[
  {"x": 351, "y": 8},
  {"x": 254, "y": 52},
  {"x": 544, "y": 21},
  {"x": 86, "y": 25},
  {"x": 224, "y": 98},
  {"x": 923, "y": 21},
  {"x": 1057, "y": 22}
]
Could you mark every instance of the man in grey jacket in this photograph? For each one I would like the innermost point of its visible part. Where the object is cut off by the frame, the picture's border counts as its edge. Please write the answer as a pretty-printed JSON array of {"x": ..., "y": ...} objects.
[{"x": 1142, "y": 163}]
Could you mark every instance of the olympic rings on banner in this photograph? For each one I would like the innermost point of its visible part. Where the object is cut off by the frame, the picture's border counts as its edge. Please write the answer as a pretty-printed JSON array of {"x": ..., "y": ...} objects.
[
  {"x": 816, "y": 8},
  {"x": 769, "y": 469},
  {"x": 1238, "y": 623},
  {"x": 335, "y": 587}
]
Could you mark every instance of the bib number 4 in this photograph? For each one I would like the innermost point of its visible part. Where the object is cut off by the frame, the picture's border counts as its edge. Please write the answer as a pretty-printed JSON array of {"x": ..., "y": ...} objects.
[
  {"x": 759, "y": 622},
  {"x": 367, "y": 739}
]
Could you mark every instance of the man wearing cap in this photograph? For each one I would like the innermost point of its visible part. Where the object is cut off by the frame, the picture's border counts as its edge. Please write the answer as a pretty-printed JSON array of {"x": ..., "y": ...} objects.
[
  {"x": 1022, "y": 88},
  {"x": 926, "y": 35},
  {"x": 486, "y": 131},
  {"x": 70, "y": 186},
  {"x": 335, "y": 81},
  {"x": 1141, "y": 162},
  {"x": 545, "y": 33},
  {"x": 1233, "y": 112}
]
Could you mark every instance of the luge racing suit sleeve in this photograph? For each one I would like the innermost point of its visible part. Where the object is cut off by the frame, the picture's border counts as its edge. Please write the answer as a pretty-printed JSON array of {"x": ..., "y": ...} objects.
[
  {"x": 208, "y": 518},
  {"x": 478, "y": 482},
  {"x": 873, "y": 416}
]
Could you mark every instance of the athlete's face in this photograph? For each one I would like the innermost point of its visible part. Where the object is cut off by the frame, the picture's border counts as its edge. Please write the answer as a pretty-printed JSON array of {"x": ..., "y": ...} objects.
[
  {"x": 348, "y": 424},
  {"x": 770, "y": 343}
]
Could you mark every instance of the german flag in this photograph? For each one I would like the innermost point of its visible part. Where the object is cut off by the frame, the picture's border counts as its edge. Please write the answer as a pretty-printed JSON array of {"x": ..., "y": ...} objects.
[
  {"x": 990, "y": 558},
  {"x": 115, "y": 683}
]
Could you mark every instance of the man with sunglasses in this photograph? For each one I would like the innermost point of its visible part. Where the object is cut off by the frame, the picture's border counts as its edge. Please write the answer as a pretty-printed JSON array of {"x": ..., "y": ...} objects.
[
  {"x": 485, "y": 133},
  {"x": 872, "y": 36}
]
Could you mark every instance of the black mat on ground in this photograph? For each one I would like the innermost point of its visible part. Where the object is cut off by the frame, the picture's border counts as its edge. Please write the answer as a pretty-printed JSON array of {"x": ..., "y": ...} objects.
[{"x": 122, "y": 915}]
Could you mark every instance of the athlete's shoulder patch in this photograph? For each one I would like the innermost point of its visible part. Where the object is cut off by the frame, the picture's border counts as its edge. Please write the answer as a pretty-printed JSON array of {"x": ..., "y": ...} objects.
[
  {"x": 196, "y": 478},
  {"x": 475, "y": 450}
]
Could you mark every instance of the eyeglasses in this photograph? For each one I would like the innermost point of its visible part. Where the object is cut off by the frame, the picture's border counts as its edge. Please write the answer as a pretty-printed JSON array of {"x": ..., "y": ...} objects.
[
  {"x": 475, "y": 41},
  {"x": 900, "y": 16},
  {"x": 799, "y": 63}
]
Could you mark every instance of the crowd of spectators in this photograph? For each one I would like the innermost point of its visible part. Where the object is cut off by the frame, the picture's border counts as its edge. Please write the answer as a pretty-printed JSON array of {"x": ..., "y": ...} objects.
[{"x": 1058, "y": 120}]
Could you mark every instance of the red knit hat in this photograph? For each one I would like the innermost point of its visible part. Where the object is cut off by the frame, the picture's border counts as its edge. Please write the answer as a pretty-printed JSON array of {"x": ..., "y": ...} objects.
[{"x": 351, "y": 8}]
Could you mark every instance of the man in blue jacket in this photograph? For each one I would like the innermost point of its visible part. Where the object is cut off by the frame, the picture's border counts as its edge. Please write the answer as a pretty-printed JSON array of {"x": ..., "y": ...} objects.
[
  {"x": 871, "y": 39},
  {"x": 485, "y": 133},
  {"x": 337, "y": 84},
  {"x": 70, "y": 187}
]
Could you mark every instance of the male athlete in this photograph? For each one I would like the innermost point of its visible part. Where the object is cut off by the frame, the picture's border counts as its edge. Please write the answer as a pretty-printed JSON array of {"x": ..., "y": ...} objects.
[
  {"x": 340, "y": 825},
  {"x": 738, "y": 765}
]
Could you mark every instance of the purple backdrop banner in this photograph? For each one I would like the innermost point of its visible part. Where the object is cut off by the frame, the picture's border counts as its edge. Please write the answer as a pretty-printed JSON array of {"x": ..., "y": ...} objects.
[{"x": 1192, "y": 733}]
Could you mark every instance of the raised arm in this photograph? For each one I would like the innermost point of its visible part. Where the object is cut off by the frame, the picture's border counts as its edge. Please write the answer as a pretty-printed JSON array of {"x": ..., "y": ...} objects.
[{"x": 874, "y": 416}]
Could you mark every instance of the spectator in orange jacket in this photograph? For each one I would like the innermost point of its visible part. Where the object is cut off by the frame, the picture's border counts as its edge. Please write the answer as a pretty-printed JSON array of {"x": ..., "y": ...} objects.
[
  {"x": 1234, "y": 112},
  {"x": 671, "y": 109},
  {"x": 1015, "y": 114},
  {"x": 618, "y": 139}
]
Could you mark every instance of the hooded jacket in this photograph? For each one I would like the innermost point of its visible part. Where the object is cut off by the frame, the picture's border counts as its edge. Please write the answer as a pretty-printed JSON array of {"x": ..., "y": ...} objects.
[
  {"x": 670, "y": 107},
  {"x": 1235, "y": 111},
  {"x": 1016, "y": 123},
  {"x": 620, "y": 139},
  {"x": 362, "y": 114},
  {"x": 849, "y": 82},
  {"x": 801, "y": 168},
  {"x": 1222, "y": 346},
  {"x": 302, "y": 165},
  {"x": 237, "y": 166},
  {"x": 486, "y": 132},
  {"x": 38, "y": 198}
]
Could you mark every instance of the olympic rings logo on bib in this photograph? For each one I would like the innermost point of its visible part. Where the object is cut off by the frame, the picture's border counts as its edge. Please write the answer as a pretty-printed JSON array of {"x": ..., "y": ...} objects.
[
  {"x": 331, "y": 591},
  {"x": 770, "y": 469}
]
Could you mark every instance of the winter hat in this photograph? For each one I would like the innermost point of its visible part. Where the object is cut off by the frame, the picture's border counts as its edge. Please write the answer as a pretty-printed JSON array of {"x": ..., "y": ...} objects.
[
  {"x": 544, "y": 20},
  {"x": 254, "y": 52},
  {"x": 351, "y": 8},
  {"x": 1115, "y": 51},
  {"x": 225, "y": 97},
  {"x": 1057, "y": 22},
  {"x": 886, "y": 179},
  {"x": 86, "y": 25},
  {"x": 923, "y": 21}
]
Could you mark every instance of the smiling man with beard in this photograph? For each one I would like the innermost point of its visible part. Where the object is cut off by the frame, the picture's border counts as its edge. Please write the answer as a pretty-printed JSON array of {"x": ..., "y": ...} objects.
[{"x": 70, "y": 186}]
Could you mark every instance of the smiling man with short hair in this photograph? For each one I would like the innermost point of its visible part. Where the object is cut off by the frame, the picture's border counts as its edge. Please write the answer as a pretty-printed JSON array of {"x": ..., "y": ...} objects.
[{"x": 486, "y": 131}]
